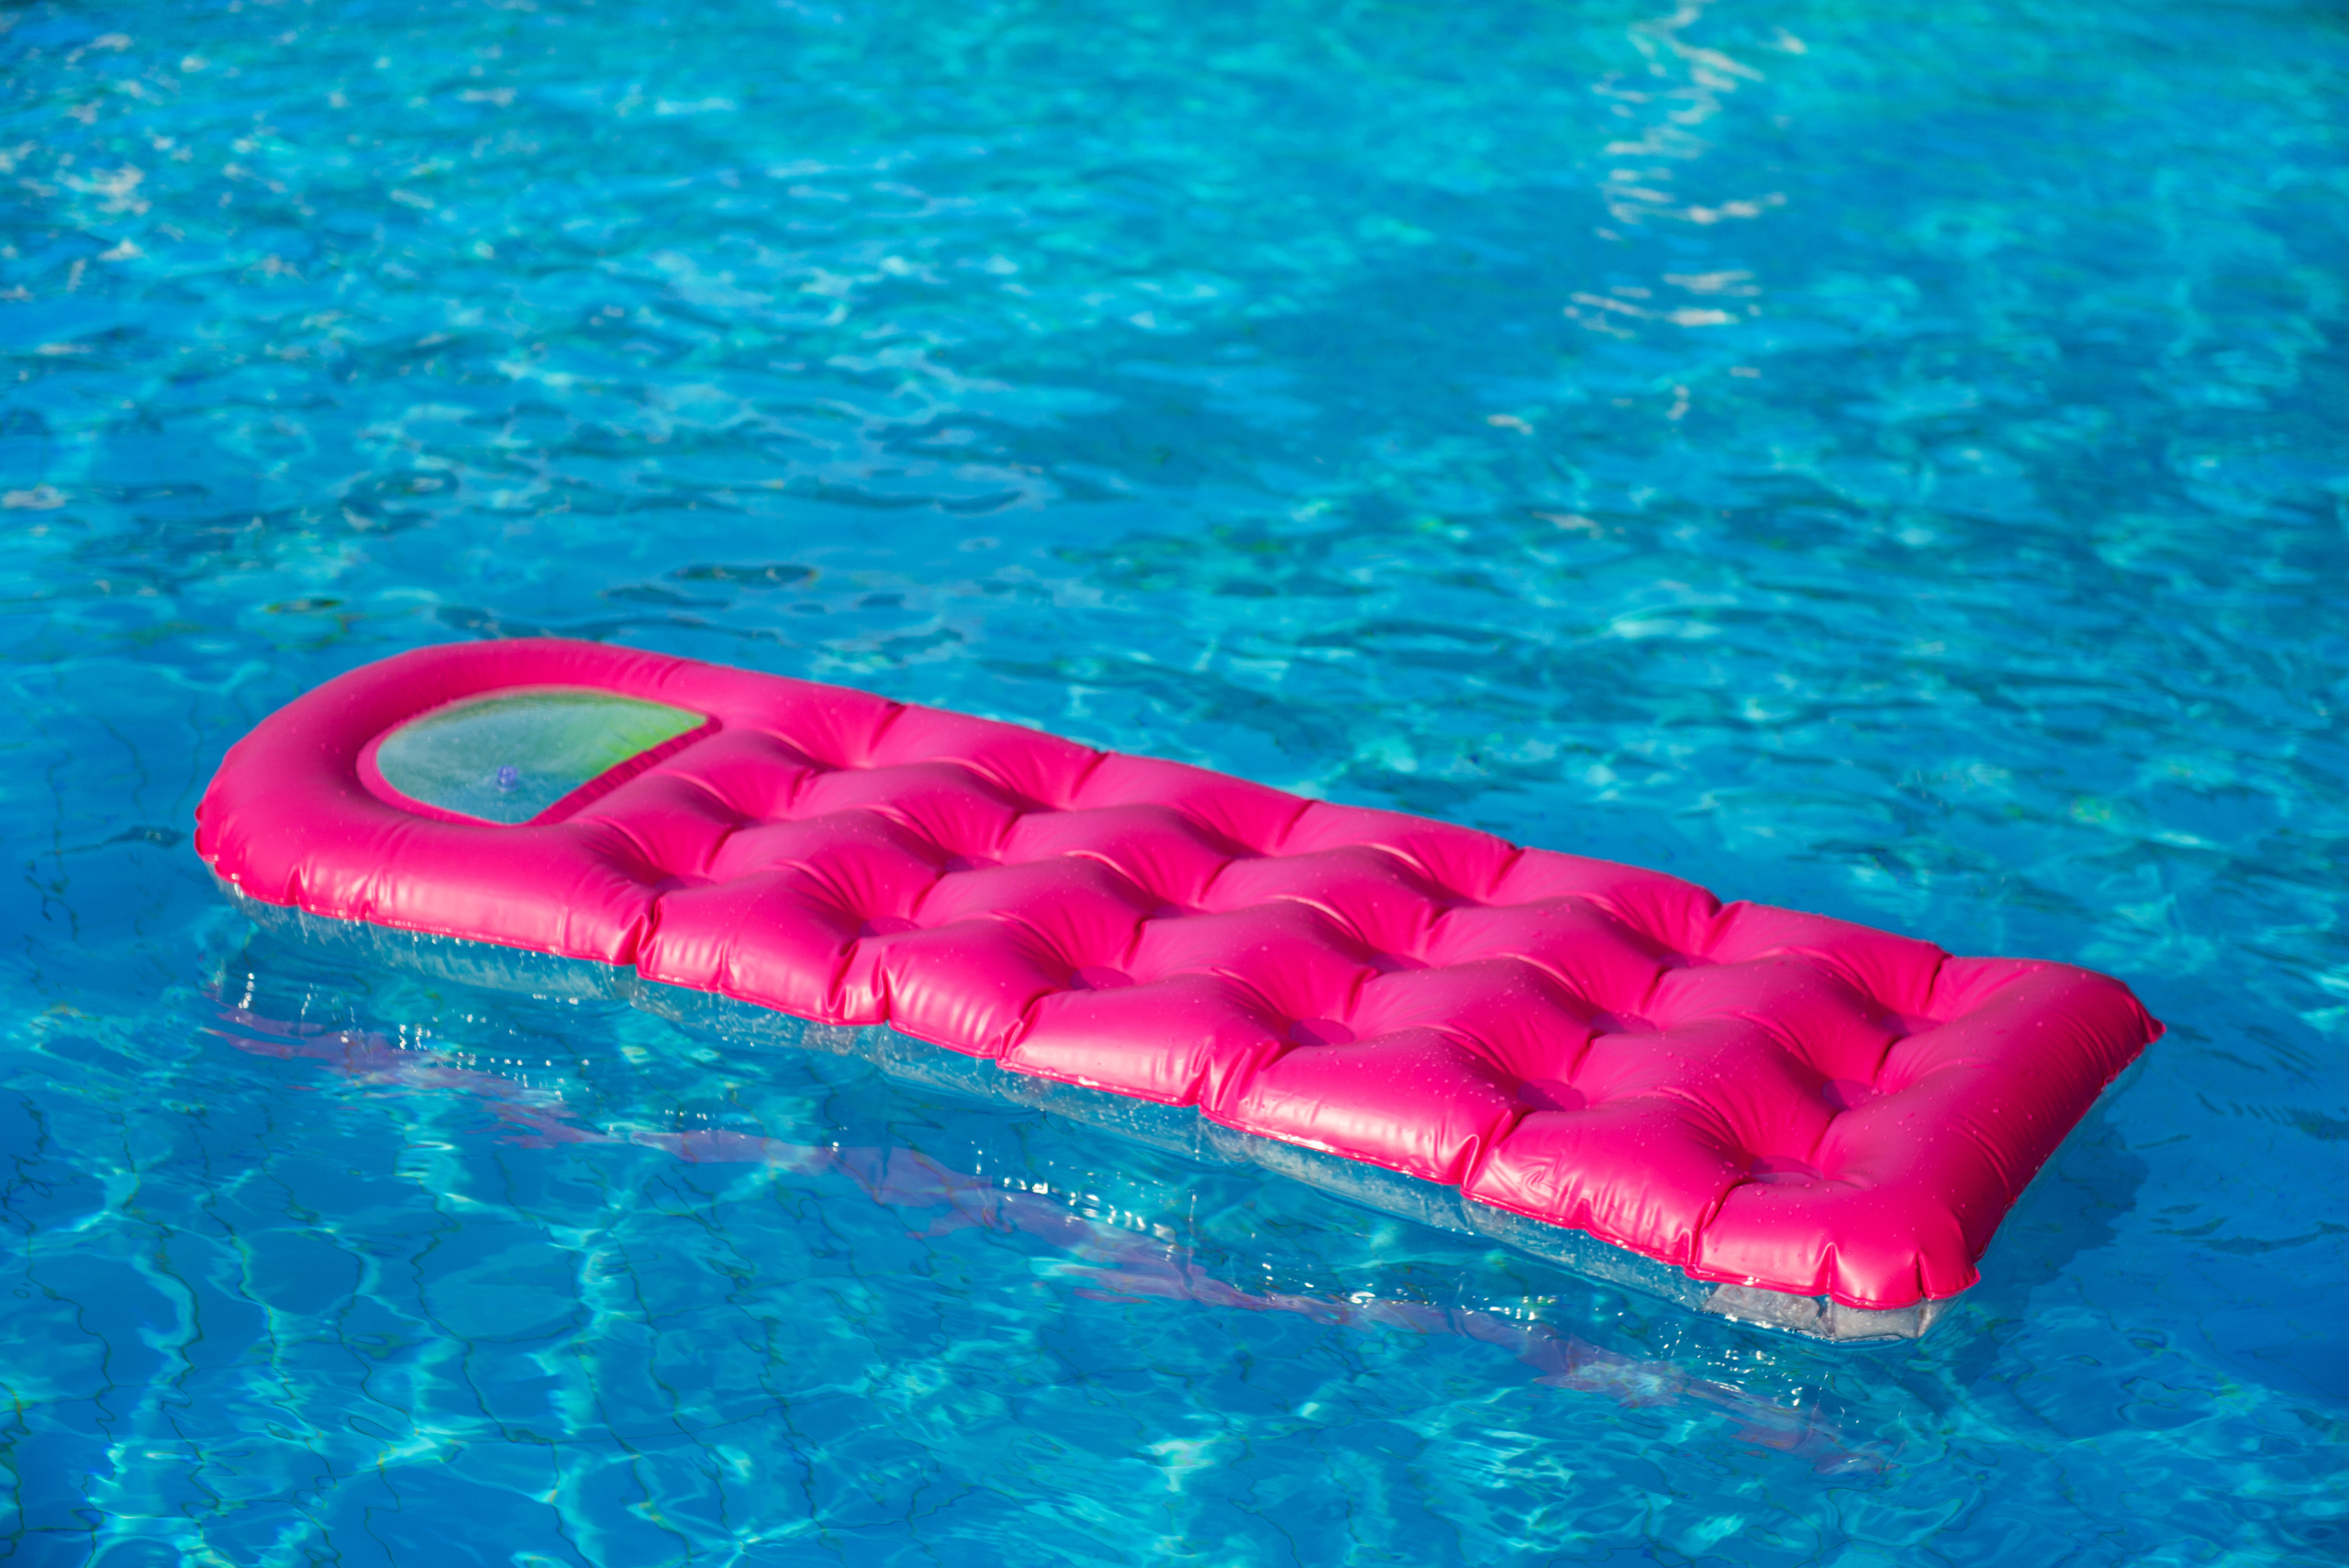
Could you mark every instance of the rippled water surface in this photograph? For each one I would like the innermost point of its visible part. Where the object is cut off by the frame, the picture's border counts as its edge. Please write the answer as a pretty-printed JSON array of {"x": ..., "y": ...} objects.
[{"x": 1886, "y": 458}]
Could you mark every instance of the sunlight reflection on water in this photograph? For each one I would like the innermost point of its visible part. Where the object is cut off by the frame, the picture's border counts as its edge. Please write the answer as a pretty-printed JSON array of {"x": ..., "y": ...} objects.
[{"x": 1885, "y": 462}]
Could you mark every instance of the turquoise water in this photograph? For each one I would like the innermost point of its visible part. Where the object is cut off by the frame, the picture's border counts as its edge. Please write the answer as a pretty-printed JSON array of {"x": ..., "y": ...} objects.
[{"x": 1889, "y": 459}]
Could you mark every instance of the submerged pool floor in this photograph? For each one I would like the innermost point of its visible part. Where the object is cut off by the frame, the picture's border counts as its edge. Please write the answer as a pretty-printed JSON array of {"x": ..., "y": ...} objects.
[{"x": 1886, "y": 461}]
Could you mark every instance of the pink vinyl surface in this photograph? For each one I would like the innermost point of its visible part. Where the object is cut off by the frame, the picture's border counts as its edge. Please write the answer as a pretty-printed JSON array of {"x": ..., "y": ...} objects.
[{"x": 1760, "y": 1096}]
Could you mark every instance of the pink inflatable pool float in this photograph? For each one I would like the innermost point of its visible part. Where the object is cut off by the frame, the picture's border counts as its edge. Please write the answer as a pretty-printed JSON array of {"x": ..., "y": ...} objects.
[{"x": 1790, "y": 1118}]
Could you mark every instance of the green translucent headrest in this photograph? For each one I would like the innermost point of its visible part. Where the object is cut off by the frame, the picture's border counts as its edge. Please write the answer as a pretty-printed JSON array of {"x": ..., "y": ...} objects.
[{"x": 507, "y": 758}]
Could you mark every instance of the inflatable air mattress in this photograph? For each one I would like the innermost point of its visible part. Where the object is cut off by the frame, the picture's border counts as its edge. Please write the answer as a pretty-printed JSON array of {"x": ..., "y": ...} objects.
[{"x": 1821, "y": 1123}]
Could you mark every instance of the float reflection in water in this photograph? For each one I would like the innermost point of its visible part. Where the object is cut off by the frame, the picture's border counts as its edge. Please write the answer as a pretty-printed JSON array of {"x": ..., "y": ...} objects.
[{"x": 1126, "y": 1259}]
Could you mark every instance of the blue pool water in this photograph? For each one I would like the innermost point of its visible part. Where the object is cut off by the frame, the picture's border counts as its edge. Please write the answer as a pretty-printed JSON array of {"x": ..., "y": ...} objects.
[{"x": 1889, "y": 459}]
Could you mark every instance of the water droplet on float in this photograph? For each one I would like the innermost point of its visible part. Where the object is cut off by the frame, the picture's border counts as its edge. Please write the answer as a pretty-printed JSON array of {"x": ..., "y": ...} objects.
[{"x": 509, "y": 776}]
